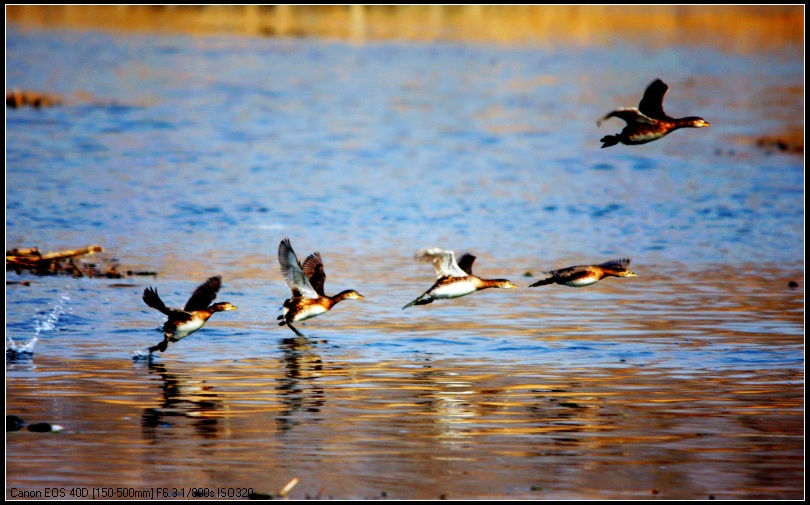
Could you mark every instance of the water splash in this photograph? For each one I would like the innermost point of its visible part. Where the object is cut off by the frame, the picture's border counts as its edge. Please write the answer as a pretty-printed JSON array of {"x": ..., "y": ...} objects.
[
  {"x": 141, "y": 355},
  {"x": 43, "y": 323}
]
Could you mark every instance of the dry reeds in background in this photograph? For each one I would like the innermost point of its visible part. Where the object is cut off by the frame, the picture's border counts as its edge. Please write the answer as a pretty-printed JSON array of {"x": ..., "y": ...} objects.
[{"x": 739, "y": 28}]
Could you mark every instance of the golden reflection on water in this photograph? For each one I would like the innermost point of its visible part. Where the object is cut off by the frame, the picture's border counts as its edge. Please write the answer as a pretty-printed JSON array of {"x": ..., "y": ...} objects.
[
  {"x": 406, "y": 428},
  {"x": 661, "y": 384}
]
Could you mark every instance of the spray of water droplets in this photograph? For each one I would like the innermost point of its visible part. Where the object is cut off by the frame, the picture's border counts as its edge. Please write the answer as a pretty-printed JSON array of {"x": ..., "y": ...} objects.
[{"x": 46, "y": 322}]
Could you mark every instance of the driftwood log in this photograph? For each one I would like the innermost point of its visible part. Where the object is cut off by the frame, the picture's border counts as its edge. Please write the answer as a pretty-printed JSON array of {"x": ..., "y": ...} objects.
[
  {"x": 62, "y": 263},
  {"x": 53, "y": 263},
  {"x": 20, "y": 98}
]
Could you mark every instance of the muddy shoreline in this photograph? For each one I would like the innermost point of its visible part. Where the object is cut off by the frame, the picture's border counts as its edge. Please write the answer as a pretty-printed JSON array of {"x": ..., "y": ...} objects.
[{"x": 736, "y": 28}]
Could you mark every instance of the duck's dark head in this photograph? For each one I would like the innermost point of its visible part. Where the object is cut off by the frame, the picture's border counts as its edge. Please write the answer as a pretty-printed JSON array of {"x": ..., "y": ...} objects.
[
  {"x": 693, "y": 122},
  {"x": 221, "y": 307},
  {"x": 503, "y": 284},
  {"x": 349, "y": 294}
]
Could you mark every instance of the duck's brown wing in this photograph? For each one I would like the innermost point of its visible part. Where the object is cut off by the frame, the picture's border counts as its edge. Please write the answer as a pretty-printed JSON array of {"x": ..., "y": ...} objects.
[
  {"x": 466, "y": 262},
  {"x": 570, "y": 273},
  {"x": 292, "y": 272},
  {"x": 622, "y": 263},
  {"x": 652, "y": 104},
  {"x": 313, "y": 270},
  {"x": 564, "y": 275},
  {"x": 204, "y": 294},
  {"x": 629, "y": 115},
  {"x": 150, "y": 296}
]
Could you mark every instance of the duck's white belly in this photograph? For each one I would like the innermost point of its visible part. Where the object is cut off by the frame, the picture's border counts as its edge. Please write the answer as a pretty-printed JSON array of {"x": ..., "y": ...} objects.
[
  {"x": 310, "y": 312},
  {"x": 454, "y": 290},
  {"x": 582, "y": 281},
  {"x": 186, "y": 329}
]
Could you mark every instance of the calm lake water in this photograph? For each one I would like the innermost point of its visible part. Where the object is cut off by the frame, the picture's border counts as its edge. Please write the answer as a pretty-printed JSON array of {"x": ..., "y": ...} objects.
[{"x": 195, "y": 156}]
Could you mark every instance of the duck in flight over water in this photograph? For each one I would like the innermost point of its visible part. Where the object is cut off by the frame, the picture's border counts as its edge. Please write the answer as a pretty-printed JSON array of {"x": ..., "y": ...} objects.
[
  {"x": 585, "y": 275},
  {"x": 306, "y": 284},
  {"x": 192, "y": 317},
  {"x": 454, "y": 279},
  {"x": 648, "y": 122}
]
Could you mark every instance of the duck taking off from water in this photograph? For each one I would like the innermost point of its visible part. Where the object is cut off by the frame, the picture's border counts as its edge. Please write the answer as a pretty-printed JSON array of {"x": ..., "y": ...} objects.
[
  {"x": 454, "y": 279},
  {"x": 648, "y": 122},
  {"x": 585, "y": 275},
  {"x": 194, "y": 315},
  {"x": 306, "y": 284}
]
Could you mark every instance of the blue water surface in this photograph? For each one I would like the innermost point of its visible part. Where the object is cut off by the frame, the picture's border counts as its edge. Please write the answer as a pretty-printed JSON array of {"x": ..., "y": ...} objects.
[
  {"x": 190, "y": 143},
  {"x": 194, "y": 156}
]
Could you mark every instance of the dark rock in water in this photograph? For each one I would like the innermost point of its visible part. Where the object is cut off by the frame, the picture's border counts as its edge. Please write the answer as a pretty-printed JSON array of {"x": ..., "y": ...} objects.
[
  {"x": 13, "y": 356},
  {"x": 793, "y": 284},
  {"x": 14, "y": 423},
  {"x": 44, "y": 427},
  {"x": 21, "y": 283},
  {"x": 153, "y": 274},
  {"x": 789, "y": 142}
]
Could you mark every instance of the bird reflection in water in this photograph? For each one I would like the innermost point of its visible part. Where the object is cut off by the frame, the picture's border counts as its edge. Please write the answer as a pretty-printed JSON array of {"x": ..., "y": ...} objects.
[
  {"x": 460, "y": 410},
  {"x": 299, "y": 389},
  {"x": 566, "y": 419},
  {"x": 185, "y": 401},
  {"x": 449, "y": 398}
]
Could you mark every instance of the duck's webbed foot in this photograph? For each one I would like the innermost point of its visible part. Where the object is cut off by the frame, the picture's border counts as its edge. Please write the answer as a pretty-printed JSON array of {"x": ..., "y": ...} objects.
[
  {"x": 293, "y": 328},
  {"x": 159, "y": 347},
  {"x": 419, "y": 301},
  {"x": 609, "y": 140},
  {"x": 543, "y": 282}
]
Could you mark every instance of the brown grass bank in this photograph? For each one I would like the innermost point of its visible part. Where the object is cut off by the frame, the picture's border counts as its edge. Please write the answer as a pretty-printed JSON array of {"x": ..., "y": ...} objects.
[{"x": 737, "y": 28}]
